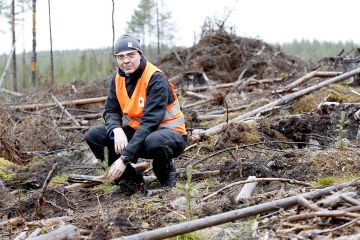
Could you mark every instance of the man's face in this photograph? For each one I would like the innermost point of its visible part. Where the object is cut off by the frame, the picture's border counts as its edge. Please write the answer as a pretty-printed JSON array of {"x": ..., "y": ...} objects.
[{"x": 128, "y": 61}]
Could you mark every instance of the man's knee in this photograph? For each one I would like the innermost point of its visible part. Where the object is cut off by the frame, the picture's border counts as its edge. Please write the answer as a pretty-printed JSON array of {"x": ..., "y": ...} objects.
[
  {"x": 153, "y": 142},
  {"x": 95, "y": 134}
]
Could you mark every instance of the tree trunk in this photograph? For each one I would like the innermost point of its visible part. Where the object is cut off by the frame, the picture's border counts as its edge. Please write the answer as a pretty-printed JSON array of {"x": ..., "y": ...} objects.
[
  {"x": 158, "y": 29},
  {"x": 33, "y": 57},
  {"x": 13, "y": 44},
  {"x": 51, "y": 49},
  {"x": 113, "y": 25}
]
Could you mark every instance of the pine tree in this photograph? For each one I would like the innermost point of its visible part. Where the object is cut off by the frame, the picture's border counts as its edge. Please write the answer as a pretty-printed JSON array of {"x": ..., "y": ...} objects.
[{"x": 148, "y": 16}]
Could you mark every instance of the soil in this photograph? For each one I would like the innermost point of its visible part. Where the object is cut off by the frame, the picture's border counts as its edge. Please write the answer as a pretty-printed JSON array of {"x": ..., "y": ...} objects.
[{"x": 287, "y": 142}]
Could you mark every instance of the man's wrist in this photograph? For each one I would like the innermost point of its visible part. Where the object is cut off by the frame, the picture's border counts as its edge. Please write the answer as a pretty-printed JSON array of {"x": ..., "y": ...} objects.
[{"x": 125, "y": 159}]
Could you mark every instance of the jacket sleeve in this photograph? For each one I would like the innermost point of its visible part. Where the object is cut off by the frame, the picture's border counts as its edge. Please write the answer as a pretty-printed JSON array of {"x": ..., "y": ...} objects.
[
  {"x": 112, "y": 113},
  {"x": 157, "y": 98}
]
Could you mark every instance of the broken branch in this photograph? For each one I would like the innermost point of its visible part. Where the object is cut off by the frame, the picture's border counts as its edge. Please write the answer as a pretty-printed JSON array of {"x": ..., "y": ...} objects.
[{"x": 307, "y": 77}]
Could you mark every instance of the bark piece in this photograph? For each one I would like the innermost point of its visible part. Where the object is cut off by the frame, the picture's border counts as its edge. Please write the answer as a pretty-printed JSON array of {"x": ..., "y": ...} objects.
[{"x": 247, "y": 190}]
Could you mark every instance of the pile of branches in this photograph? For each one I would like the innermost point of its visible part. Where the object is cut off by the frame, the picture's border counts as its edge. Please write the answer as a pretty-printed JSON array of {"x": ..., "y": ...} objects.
[{"x": 224, "y": 56}]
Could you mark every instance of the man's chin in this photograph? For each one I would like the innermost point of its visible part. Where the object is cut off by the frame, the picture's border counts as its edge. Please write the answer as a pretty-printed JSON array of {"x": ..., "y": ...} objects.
[{"x": 128, "y": 71}]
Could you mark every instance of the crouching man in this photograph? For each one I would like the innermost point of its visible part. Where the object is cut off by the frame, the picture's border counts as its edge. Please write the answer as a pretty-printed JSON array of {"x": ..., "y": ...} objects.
[{"x": 142, "y": 119}]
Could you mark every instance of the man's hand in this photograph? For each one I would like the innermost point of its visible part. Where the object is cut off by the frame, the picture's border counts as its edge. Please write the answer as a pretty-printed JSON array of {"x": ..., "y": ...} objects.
[
  {"x": 116, "y": 170},
  {"x": 120, "y": 140}
]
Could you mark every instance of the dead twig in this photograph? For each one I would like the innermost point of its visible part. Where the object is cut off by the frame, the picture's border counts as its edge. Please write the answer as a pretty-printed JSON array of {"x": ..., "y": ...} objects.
[
  {"x": 103, "y": 217},
  {"x": 326, "y": 213},
  {"x": 198, "y": 103},
  {"x": 41, "y": 200},
  {"x": 350, "y": 200},
  {"x": 64, "y": 110},
  {"x": 197, "y": 95},
  {"x": 339, "y": 227}
]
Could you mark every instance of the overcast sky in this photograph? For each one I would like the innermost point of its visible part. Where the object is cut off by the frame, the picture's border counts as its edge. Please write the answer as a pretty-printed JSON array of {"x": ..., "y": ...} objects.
[{"x": 87, "y": 23}]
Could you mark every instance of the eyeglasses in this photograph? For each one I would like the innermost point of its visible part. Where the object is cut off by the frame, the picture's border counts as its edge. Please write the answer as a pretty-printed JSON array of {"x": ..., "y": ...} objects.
[{"x": 128, "y": 55}]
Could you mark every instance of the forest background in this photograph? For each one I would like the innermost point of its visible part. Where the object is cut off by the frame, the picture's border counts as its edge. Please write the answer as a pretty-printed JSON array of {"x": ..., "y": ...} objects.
[{"x": 151, "y": 22}]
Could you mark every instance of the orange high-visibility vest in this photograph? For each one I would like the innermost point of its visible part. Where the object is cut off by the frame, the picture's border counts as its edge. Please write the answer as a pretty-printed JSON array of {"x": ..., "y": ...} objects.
[{"x": 133, "y": 107}]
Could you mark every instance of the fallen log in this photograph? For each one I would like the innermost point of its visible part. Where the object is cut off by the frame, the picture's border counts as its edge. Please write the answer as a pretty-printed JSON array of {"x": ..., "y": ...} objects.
[
  {"x": 305, "y": 78},
  {"x": 186, "y": 227},
  {"x": 285, "y": 99},
  {"x": 65, "y": 103}
]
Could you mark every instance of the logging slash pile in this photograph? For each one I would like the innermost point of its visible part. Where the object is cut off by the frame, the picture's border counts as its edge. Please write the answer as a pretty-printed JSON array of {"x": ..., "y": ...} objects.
[{"x": 273, "y": 153}]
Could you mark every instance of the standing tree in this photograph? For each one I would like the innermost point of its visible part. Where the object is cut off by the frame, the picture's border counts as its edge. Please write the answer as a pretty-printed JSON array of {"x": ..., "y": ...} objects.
[
  {"x": 51, "y": 49},
  {"x": 141, "y": 22},
  {"x": 13, "y": 45},
  {"x": 33, "y": 57},
  {"x": 113, "y": 25},
  {"x": 166, "y": 27},
  {"x": 145, "y": 18},
  {"x": 8, "y": 9}
]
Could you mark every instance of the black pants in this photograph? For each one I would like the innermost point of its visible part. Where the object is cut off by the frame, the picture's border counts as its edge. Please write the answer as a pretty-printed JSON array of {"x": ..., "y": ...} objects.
[{"x": 162, "y": 146}]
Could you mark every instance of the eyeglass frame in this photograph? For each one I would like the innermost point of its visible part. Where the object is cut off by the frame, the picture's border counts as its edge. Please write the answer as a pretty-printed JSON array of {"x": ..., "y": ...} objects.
[{"x": 128, "y": 55}]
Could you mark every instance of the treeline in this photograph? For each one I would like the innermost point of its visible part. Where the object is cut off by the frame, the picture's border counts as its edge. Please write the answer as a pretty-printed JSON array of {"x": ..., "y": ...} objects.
[
  {"x": 315, "y": 50},
  {"x": 150, "y": 21},
  {"x": 69, "y": 66},
  {"x": 90, "y": 65}
]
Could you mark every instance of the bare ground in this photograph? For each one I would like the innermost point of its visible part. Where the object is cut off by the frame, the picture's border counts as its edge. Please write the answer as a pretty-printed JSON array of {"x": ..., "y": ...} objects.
[{"x": 296, "y": 141}]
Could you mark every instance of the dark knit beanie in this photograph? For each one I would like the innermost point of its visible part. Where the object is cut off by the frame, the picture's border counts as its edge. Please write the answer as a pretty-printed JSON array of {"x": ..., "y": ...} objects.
[{"x": 127, "y": 42}]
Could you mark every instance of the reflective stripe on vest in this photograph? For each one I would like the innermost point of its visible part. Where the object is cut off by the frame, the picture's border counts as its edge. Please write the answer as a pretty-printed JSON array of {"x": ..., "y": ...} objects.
[
  {"x": 172, "y": 112},
  {"x": 133, "y": 107},
  {"x": 173, "y": 123}
]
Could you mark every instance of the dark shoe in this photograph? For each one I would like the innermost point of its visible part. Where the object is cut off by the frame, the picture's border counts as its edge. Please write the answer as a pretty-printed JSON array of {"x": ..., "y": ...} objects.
[
  {"x": 130, "y": 185},
  {"x": 128, "y": 188},
  {"x": 170, "y": 179}
]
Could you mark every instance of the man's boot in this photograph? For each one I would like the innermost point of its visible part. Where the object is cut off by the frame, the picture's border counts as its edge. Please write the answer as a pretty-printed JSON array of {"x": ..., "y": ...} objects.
[
  {"x": 166, "y": 174},
  {"x": 130, "y": 182}
]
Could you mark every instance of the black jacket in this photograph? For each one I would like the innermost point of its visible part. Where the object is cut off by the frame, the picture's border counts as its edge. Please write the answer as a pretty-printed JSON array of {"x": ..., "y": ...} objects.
[{"x": 158, "y": 96}]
